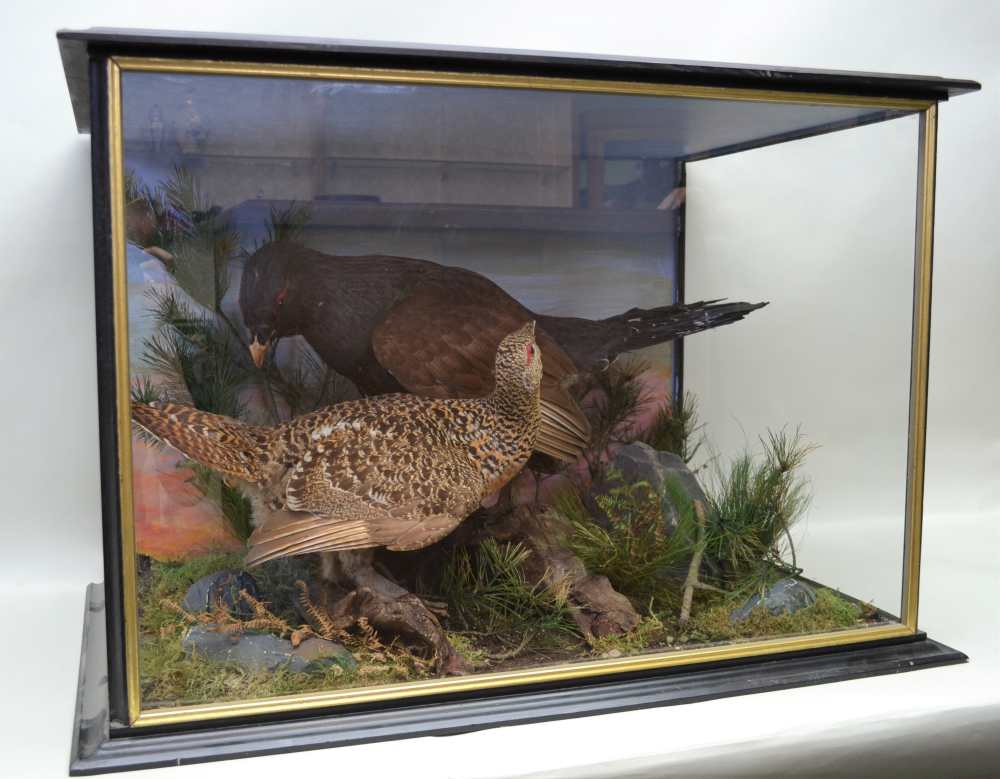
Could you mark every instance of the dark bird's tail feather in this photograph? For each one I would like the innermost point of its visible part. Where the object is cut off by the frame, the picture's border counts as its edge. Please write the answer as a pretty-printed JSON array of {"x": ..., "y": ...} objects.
[
  {"x": 223, "y": 444},
  {"x": 650, "y": 326}
]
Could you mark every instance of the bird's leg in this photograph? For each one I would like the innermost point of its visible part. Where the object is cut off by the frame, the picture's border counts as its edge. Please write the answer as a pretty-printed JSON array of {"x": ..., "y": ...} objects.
[{"x": 389, "y": 607}]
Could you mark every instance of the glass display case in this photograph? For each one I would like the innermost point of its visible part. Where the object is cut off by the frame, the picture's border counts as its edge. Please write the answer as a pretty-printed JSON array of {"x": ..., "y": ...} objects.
[{"x": 443, "y": 389}]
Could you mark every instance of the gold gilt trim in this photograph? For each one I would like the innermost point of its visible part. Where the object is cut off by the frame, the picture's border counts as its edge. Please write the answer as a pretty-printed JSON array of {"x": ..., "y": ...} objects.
[
  {"x": 923, "y": 261},
  {"x": 492, "y": 681},
  {"x": 116, "y": 165},
  {"x": 580, "y": 670}
]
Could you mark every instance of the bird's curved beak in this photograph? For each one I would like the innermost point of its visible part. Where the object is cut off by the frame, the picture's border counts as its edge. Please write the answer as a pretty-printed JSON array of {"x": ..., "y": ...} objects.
[{"x": 258, "y": 351}]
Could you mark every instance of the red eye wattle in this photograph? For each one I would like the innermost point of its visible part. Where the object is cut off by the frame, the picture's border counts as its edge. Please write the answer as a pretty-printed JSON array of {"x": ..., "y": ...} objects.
[{"x": 529, "y": 351}]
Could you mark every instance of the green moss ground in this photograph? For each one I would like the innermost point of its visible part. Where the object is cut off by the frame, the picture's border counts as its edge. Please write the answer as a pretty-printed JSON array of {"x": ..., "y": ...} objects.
[
  {"x": 710, "y": 624},
  {"x": 169, "y": 677}
]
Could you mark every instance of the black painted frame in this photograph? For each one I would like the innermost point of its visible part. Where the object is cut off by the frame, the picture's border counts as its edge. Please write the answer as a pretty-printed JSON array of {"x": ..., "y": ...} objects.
[
  {"x": 77, "y": 46},
  {"x": 107, "y": 393},
  {"x": 98, "y": 749}
]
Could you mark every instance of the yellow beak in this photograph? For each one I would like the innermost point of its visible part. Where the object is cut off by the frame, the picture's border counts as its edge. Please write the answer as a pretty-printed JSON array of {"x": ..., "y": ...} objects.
[{"x": 258, "y": 352}]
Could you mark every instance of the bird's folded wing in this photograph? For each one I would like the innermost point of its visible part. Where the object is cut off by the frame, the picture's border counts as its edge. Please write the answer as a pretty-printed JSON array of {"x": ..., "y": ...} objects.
[
  {"x": 361, "y": 488},
  {"x": 441, "y": 342},
  {"x": 355, "y": 526},
  {"x": 437, "y": 344}
]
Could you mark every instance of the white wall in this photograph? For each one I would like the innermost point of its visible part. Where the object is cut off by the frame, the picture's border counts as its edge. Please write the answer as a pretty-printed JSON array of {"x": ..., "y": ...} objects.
[{"x": 48, "y": 468}]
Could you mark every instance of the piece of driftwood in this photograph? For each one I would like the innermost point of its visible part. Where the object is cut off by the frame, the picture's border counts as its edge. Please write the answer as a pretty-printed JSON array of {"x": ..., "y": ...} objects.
[{"x": 386, "y": 606}]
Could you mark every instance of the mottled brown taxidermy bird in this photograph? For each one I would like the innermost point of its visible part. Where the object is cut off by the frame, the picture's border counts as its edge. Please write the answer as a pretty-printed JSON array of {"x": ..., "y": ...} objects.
[
  {"x": 396, "y": 471},
  {"x": 393, "y": 324}
]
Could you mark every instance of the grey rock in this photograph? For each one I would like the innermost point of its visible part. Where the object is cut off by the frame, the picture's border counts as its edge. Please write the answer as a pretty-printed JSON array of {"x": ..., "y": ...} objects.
[
  {"x": 320, "y": 653},
  {"x": 787, "y": 595},
  {"x": 265, "y": 652},
  {"x": 205, "y": 593},
  {"x": 639, "y": 462}
]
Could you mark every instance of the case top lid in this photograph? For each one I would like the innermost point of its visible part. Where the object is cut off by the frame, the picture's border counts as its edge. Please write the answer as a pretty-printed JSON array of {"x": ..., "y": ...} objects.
[{"x": 78, "y": 46}]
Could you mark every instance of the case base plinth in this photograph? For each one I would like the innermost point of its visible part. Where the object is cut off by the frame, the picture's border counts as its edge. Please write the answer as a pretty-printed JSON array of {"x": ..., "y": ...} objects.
[{"x": 100, "y": 746}]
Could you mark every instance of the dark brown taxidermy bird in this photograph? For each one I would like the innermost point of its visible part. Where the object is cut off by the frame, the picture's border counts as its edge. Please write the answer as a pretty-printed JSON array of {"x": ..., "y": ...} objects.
[
  {"x": 392, "y": 324},
  {"x": 396, "y": 471}
]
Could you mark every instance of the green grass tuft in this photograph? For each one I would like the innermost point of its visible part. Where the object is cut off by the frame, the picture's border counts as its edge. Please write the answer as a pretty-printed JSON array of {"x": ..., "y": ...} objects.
[{"x": 614, "y": 397}]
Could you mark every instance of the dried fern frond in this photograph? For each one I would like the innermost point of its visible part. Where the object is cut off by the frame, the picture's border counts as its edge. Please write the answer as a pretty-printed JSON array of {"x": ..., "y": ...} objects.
[
  {"x": 322, "y": 624},
  {"x": 263, "y": 618},
  {"x": 187, "y": 616},
  {"x": 368, "y": 635}
]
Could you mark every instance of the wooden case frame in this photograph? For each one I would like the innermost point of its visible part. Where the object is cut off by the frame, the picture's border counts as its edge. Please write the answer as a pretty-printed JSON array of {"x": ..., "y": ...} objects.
[{"x": 517, "y": 696}]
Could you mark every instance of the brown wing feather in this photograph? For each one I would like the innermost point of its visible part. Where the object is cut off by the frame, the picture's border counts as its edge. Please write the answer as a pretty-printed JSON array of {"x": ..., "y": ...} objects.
[
  {"x": 221, "y": 443},
  {"x": 296, "y": 536},
  {"x": 365, "y": 485},
  {"x": 441, "y": 342}
]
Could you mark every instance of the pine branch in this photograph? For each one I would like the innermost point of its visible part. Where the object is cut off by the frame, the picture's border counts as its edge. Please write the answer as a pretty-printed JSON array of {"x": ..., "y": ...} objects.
[
  {"x": 674, "y": 428},
  {"x": 614, "y": 398},
  {"x": 754, "y": 504}
]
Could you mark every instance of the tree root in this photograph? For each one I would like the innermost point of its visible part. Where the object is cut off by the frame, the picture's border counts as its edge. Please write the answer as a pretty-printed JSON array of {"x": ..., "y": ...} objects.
[{"x": 386, "y": 606}]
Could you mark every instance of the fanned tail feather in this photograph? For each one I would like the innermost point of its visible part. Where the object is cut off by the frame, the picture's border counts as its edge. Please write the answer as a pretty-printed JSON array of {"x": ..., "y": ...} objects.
[
  {"x": 651, "y": 326},
  {"x": 559, "y": 434},
  {"x": 593, "y": 344},
  {"x": 564, "y": 431}
]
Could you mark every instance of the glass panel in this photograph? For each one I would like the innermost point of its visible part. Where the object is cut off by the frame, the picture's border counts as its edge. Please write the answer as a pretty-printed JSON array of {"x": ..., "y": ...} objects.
[
  {"x": 330, "y": 290},
  {"x": 823, "y": 228}
]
